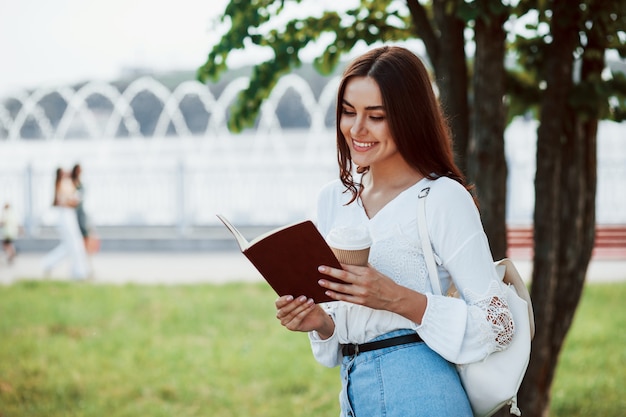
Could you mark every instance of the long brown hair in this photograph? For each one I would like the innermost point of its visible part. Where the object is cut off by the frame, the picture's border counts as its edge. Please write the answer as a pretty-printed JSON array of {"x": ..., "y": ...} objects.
[{"x": 415, "y": 119}]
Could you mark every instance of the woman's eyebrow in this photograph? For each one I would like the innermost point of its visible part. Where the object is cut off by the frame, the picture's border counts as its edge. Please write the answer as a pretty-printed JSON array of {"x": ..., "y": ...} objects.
[
  {"x": 347, "y": 103},
  {"x": 377, "y": 107}
]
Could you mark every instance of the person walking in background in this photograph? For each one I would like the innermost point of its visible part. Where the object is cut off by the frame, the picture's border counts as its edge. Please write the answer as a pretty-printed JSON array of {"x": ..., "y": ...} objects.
[
  {"x": 81, "y": 216},
  {"x": 71, "y": 245},
  {"x": 10, "y": 230},
  {"x": 92, "y": 243},
  {"x": 396, "y": 341}
]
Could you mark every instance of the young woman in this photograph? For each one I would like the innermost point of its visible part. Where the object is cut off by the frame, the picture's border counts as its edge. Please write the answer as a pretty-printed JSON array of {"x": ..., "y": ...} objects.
[
  {"x": 396, "y": 342},
  {"x": 71, "y": 245}
]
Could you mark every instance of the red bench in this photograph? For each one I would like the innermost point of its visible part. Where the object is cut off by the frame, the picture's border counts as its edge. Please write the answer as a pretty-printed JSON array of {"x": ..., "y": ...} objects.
[{"x": 610, "y": 242}]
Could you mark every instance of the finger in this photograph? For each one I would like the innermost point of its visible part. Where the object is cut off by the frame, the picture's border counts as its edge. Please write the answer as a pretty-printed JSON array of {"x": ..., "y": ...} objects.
[
  {"x": 343, "y": 296},
  {"x": 343, "y": 281},
  {"x": 283, "y": 301},
  {"x": 355, "y": 269},
  {"x": 291, "y": 308},
  {"x": 294, "y": 318},
  {"x": 340, "y": 274},
  {"x": 296, "y": 323}
]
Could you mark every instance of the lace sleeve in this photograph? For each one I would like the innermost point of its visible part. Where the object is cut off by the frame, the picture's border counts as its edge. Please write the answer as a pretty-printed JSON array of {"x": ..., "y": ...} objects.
[{"x": 497, "y": 326}]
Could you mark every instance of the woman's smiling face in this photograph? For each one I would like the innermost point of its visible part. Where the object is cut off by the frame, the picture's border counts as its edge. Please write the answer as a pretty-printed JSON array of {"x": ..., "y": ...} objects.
[{"x": 364, "y": 124}]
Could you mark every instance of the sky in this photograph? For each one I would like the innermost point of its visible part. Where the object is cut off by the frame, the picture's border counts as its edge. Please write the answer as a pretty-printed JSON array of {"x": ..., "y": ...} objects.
[
  {"x": 49, "y": 43},
  {"x": 56, "y": 42}
]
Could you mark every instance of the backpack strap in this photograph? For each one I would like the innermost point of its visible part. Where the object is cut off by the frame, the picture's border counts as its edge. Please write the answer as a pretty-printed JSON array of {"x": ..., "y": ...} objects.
[{"x": 427, "y": 248}]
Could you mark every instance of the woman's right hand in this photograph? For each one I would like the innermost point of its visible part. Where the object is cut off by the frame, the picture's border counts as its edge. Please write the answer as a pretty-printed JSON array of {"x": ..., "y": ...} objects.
[{"x": 303, "y": 315}]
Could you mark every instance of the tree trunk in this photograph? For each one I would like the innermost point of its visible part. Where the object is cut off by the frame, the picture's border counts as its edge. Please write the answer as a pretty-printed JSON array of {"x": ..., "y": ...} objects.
[
  {"x": 486, "y": 165},
  {"x": 564, "y": 210},
  {"x": 443, "y": 36},
  {"x": 451, "y": 73}
]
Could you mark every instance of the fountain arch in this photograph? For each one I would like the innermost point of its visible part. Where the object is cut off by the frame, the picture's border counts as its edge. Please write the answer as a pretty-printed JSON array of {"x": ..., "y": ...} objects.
[{"x": 179, "y": 177}]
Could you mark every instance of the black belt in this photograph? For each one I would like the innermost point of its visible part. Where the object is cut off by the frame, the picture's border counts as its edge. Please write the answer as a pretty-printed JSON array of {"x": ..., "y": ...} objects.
[{"x": 354, "y": 349}]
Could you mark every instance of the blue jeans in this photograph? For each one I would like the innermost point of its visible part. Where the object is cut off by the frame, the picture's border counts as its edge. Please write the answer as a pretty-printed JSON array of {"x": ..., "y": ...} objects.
[{"x": 401, "y": 381}]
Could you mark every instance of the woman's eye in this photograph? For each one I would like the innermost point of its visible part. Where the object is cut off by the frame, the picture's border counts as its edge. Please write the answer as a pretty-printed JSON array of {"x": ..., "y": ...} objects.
[
  {"x": 377, "y": 118},
  {"x": 347, "y": 112}
]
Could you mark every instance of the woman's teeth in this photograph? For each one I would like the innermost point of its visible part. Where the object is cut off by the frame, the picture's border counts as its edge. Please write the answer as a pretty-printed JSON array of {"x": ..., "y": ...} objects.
[{"x": 363, "y": 144}]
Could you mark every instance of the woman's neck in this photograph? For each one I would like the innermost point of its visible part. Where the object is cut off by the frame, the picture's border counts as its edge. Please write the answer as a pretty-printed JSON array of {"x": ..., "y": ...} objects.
[{"x": 398, "y": 177}]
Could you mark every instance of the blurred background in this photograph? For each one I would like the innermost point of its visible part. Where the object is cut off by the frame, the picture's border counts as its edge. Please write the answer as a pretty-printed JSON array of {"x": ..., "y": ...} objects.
[{"x": 112, "y": 86}]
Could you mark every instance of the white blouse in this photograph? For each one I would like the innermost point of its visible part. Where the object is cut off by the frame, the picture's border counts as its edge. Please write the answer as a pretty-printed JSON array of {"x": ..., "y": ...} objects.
[{"x": 460, "y": 330}]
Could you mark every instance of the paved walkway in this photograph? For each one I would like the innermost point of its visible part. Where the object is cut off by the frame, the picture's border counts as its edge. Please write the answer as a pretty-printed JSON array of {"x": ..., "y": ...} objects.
[
  {"x": 207, "y": 267},
  {"x": 143, "y": 268}
]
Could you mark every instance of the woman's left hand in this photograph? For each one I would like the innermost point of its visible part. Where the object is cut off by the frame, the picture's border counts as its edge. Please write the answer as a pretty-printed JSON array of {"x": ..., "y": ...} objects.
[{"x": 364, "y": 285}]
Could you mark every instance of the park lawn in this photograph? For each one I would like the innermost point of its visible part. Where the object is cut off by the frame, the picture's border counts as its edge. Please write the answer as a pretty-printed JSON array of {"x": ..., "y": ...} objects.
[
  {"x": 91, "y": 350},
  {"x": 590, "y": 378}
]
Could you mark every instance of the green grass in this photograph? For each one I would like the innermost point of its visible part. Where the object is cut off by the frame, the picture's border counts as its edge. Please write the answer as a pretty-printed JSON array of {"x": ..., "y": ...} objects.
[
  {"x": 591, "y": 374},
  {"x": 70, "y": 349}
]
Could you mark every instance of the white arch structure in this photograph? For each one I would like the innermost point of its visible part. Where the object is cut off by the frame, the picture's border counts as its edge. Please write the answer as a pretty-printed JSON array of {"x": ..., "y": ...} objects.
[{"x": 122, "y": 111}]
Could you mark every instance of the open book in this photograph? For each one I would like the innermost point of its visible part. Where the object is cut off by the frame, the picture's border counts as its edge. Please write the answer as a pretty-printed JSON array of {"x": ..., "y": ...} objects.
[{"x": 288, "y": 258}]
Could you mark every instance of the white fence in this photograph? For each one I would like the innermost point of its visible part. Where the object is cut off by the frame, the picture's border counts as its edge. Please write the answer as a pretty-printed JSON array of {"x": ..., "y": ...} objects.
[
  {"x": 255, "y": 180},
  {"x": 180, "y": 181}
]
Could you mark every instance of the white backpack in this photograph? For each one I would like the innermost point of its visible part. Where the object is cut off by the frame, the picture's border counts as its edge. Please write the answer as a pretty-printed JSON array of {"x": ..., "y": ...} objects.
[{"x": 493, "y": 382}]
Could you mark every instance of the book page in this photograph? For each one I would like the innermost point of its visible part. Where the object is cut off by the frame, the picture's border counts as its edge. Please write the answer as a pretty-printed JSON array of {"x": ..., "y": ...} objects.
[{"x": 241, "y": 241}]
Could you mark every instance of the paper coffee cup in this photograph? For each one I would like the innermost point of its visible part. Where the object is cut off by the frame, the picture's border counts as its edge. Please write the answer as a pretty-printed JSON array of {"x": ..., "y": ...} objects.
[{"x": 351, "y": 245}]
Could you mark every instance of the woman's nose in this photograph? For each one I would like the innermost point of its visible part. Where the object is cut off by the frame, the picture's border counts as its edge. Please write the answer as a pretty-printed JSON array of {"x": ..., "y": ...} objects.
[{"x": 358, "y": 127}]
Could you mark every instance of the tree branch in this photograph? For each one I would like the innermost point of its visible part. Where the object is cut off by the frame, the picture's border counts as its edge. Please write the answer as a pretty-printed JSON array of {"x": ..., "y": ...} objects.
[{"x": 423, "y": 28}]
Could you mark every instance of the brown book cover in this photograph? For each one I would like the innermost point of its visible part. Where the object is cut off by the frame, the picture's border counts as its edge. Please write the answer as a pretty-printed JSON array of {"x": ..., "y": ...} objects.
[{"x": 288, "y": 258}]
